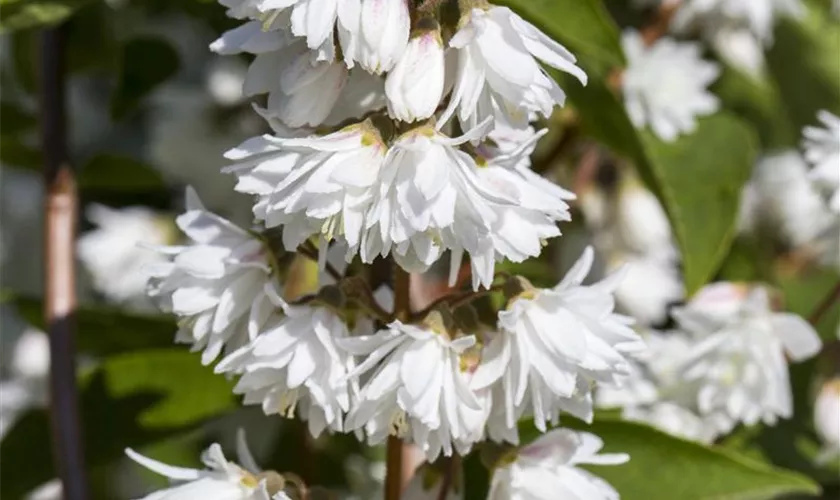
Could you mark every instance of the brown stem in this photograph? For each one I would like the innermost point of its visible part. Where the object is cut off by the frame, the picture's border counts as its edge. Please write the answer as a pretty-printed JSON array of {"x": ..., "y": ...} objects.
[
  {"x": 398, "y": 465},
  {"x": 59, "y": 261},
  {"x": 660, "y": 24},
  {"x": 448, "y": 476},
  {"x": 830, "y": 299}
]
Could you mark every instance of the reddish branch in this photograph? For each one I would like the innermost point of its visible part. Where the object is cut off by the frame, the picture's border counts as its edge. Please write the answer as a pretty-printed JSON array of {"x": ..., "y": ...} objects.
[{"x": 59, "y": 262}]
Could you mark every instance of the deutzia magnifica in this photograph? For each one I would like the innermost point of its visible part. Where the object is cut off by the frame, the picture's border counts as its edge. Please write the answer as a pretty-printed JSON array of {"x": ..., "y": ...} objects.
[
  {"x": 740, "y": 367},
  {"x": 294, "y": 365},
  {"x": 430, "y": 198},
  {"x": 220, "y": 480},
  {"x": 498, "y": 72},
  {"x": 756, "y": 16},
  {"x": 415, "y": 86},
  {"x": 553, "y": 344},
  {"x": 215, "y": 285},
  {"x": 419, "y": 391},
  {"x": 549, "y": 469},
  {"x": 116, "y": 254},
  {"x": 665, "y": 85},
  {"x": 373, "y": 33},
  {"x": 316, "y": 185},
  {"x": 822, "y": 151}
]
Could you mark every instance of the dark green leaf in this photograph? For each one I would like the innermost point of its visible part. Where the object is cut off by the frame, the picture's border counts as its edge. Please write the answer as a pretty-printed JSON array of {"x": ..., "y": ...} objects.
[
  {"x": 108, "y": 172},
  {"x": 146, "y": 62},
  {"x": 129, "y": 400},
  {"x": 662, "y": 466},
  {"x": 583, "y": 26},
  {"x": 805, "y": 64},
  {"x": 14, "y": 152},
  {"x": 14, "y": 120},
  {"x": 103, "y": 330},
  {"x": 23, "y": 14}
]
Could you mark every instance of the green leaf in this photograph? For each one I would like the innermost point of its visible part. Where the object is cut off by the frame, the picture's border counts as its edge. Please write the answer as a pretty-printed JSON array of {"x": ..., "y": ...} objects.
[
  {"x": 699, "y": 179},
  {"x": 14, "y": 152},
  {"x": 23, "y": 14},
  {"x": 129, "y": 400},
  {"x": 107, "y": 172},
  {"x": 103, "y": 330},
  {"x": 662, "y": 466},
  {"x": 146, "y": 62},
  {"x": 582, "y": 26}
]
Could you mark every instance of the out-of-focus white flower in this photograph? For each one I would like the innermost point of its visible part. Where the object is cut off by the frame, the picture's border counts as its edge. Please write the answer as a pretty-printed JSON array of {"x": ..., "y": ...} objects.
[
  {"x": 827, "y": 419},
  {"x": 650, "y": 286},
  {"x": 672, "y": 418},
  {"x": 784, "y": 199},
  {"x": 740, "y": 48},
  {"x": 312, "y": 185},
  {"x": 666, "y": 85},
  {"x": 822, "y": 151},
  {"x": 117, "y": 253},
  {"x": 220, "y": 480},
  {"x": 426, "y": 483},
  {"x": 216, "y": 285},
  {"x": 374, "y": 33},
  {"x": 224, "y": 80},
  {"x": 27, "y": 385},
  {"x": 498, "y": 72},
  {"x": 419, "y": 391},
  {"x": 549, "y": 468},
  {"x": 739, "y": 366},
  {"x": 757, "y": 16},
  {"x": 294, "y": 365},
  {"x": 415, "y": 86},
  {"x": 542, "y": 368},
  {"x": 641, "y": 222}
]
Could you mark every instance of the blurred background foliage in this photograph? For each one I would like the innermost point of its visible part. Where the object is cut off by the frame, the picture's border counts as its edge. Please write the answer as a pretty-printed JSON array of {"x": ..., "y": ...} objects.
[{"x": 147, "y": 116}]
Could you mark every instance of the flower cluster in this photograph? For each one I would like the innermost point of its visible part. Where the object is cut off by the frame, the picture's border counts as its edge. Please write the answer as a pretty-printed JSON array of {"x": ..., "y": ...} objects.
[{"x": 726, "y": 364}]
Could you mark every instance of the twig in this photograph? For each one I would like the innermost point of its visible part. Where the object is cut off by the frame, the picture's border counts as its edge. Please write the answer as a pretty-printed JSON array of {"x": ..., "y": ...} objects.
[
  {"x": 455, "y": 300},
  {"x": 448, "y": 476},
  {"x": 830, "y": 299},
  {"x": 398, "y": 466},
  {"x": 660, "y": 24},
  {"x": 59, "y": 261}
]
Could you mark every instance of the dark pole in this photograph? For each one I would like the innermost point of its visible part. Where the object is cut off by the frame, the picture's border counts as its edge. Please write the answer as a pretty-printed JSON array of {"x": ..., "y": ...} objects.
[{"x": 59, "y": 265}]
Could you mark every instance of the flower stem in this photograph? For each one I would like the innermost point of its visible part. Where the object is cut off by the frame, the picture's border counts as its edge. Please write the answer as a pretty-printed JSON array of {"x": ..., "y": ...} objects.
[
  {"x": 398, "y": 464},
  {"x": 449, "y": 476},
  {"x": 60, "y": 231},
  {"x": 830, "y": 299}
]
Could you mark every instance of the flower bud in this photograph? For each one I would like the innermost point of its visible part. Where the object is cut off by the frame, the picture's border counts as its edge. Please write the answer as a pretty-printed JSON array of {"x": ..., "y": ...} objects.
[
  {"x": 415, "y": 86},
  {"x": 375, "y": 35},
  {"x": 827, "y": 419}
]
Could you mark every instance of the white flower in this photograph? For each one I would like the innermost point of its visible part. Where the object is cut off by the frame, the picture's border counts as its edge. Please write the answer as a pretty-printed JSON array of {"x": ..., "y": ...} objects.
[
  {"x": 415, "y": 86},
  {"x": 316, "y": 185},
  {"x": 498, "y": 72},
  {"x": 822, "y": 151},
  {"x": 548, "y": 469},
  {"x": 665, "y": 85},
  {"x": 740, "y": 48},
  {"x": 827, "y": 419},
  {"x": 430, "y": 198},
  {"x": 546, "y": 368},
  {"x": 220, "y": 480},
  {"x": 786, "y": 201},
  {"x": 116, "y": 254},
  {"x": 26, "y": 387},
  {"x": 294, "y": 365},
  {"x": 650, "y": 286},
  {"x": 520, "y": 229},
  {"x": 673, "y": 419},
  {"x": 758, "y": 16},
  {"x": 374, "y": 34},
  {"x": 426, "y": 483},
  {"x": 216, "y": 285},
  {"x": 739, "y": 366},
  {"x": 641, "y": 222},
  {"x": 419, "y": 391}
]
